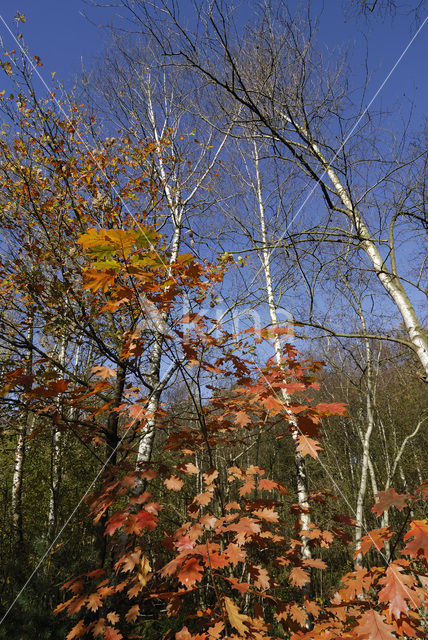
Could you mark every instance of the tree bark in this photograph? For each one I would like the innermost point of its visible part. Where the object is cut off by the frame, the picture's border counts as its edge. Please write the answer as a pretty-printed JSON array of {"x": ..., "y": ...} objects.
[{"x": 20, "y": 451}]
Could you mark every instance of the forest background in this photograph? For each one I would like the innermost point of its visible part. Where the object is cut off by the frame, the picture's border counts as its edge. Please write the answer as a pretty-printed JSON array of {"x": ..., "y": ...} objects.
[{"x": 214, "y": 350}]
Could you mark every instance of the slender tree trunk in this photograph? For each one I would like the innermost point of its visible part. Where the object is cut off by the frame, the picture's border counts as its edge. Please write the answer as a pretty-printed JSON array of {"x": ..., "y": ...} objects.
[
  {"x": 146, "y": 442},
  {"x": 365, "y": 462},
  {"x": 301, "y": 474},
  {"x": 20, "y": 451},
  {"x": 55, "y": 463},
  {"x": 388, "y": 277},
  {"x": 54, "y": 484},
  {"x": 177, "y": 203}
]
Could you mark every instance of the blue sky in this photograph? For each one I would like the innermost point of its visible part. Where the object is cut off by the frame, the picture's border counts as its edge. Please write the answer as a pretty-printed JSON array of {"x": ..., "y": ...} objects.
[{"x": 58, "y": 32}]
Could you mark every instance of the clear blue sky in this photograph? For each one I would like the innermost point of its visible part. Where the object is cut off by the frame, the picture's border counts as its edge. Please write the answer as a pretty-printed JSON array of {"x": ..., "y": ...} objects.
[{"x": 58, "y": 32}]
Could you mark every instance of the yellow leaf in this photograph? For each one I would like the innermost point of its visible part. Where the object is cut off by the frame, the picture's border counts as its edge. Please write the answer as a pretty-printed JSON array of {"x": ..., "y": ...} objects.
[
  {"x": 95, "y": 280},
  {"x": 236, "y": 619},
  {"x": 143, "y": 571}
]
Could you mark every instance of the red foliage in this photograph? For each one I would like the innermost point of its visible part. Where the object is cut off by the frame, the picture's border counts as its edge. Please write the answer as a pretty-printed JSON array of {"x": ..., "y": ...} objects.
[{"x": 233, "y": 553}]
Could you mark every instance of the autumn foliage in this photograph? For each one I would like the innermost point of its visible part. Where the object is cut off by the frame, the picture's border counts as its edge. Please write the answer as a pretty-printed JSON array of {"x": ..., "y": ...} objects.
[
  {"x": 188, "y": 548},
  {"x": 232, "y": 568}
]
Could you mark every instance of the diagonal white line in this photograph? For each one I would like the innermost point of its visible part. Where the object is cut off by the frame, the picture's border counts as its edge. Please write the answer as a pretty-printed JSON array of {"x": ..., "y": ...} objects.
[
  {"x": 58, "y": 104},
  {"x": 34, "y": 68},
  {"x": 353, "y": 511},
  {"x": 88, "y": 489},
  {"x": 347, "y": 137},
  {"x": 67, "y": 117}
]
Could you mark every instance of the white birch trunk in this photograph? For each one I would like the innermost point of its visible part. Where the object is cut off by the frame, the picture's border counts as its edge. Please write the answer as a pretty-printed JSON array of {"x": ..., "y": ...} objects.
[
  {"x": 55, "y": 479},
  {"x": 301, "y": 476},
  {"x": 20, "y": 452},
  {"x": 388, "y": 278},
  {"x": 176, "y": 205},
  {"x": 366, "y": 462}
]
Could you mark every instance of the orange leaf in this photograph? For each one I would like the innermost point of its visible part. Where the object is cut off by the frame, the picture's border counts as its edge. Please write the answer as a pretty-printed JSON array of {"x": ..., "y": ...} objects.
[
  {"x": 235, "y": 553},
  {"x": 242, "y": 418},
  {"x": 299, "y": 577},
  {"x": 397, "y": 589},
  {"x": 77, "y": 631},
  {"x": 115, "y": 522},
  {"x": 132, "y": 613},
  {"x": 190, "y": 573},
  {"x": 376, "y": 538},
  {"x": 113, "y": 617},
  {"x": 103, "y": 372},
  {"x": 99, "y": 626},
  {"x": 95, "y": 280},
  {"x": 203, "y": 499},
  {"x": 419, "y": 545},
  {"x": 308, "y": 446},
  {"x": 273, "y": 405},
  {"x": 112, "y": 634},
  {"x": 267, "y": 514},
  {"x": 260, "y": 576},
  {"x": 267, "y": 485},
  {"x": 316, "y": 563},
  {"x": 372, "y": 627},
  {"x": 298, "y": 614},
  {"x": 143, "y": 571},
  {"x": 129, "y": 561},
  {"x": 188, "y": 467},
  {"x": 215, "y": 631},
  {"x": 389, "y": 498},
  {"x": 94, "y": 601},
  {"x": 210, "y": 476},
  {"x": 174, "y": 483},
  {"x": 247, "y": 487}
]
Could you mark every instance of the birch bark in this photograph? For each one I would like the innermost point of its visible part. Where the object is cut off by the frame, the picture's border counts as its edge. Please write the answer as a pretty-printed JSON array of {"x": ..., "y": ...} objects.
[
  {"x": 265, "y": 258},
  {"x": 25, "y": 429}
]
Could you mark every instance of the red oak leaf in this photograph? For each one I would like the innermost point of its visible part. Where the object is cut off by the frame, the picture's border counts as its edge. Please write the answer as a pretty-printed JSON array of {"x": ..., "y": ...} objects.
[
  {"x": 299, "y": 577},
  {"x": 133, "y": 613},
  {"x": 77, "y": 631},
  {"x": 267, "y": 485},
  {"x": 174, "y": 483},
  {"x": 94, "y": 601},
  {"x": 242, "y": 418},
  {"x": 247, "y": 487},
  {"x": 113, "y": 617},
  {"x": 389, "y": 498},
  {"x": 112, "y": 634},
  {"x": 372, "y": 627},
  {"x": 260, "y": 577},
  {"x": 103, "y": 372},
  {"x": 298, "y": 614},
  {"x": 188, "y": 467},
  {"x": 236, "y": 554},
  {"x": 215, "y": 631},
  {"x": 267, "y": 514},
  {"x": 419, "y": 545},
  {"x": 375, "y": 538},
  {"x": 115, "y": 522},
  {"x": 236, "y": 619},
  {"x": 308, "y": 446},
  {"x": 210, "y": 476},
  {"x": 146, "y": 520},
  {"x": 99, "y": 626},
  {"x": 190, "y": 573},
  {"x": 398, "y": 589}
]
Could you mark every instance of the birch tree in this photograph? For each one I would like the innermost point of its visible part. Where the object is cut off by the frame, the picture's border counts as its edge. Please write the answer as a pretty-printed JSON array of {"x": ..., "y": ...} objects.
[
  {"x": 311, "y": 120},
  {"x": 155, "y": 102}
]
